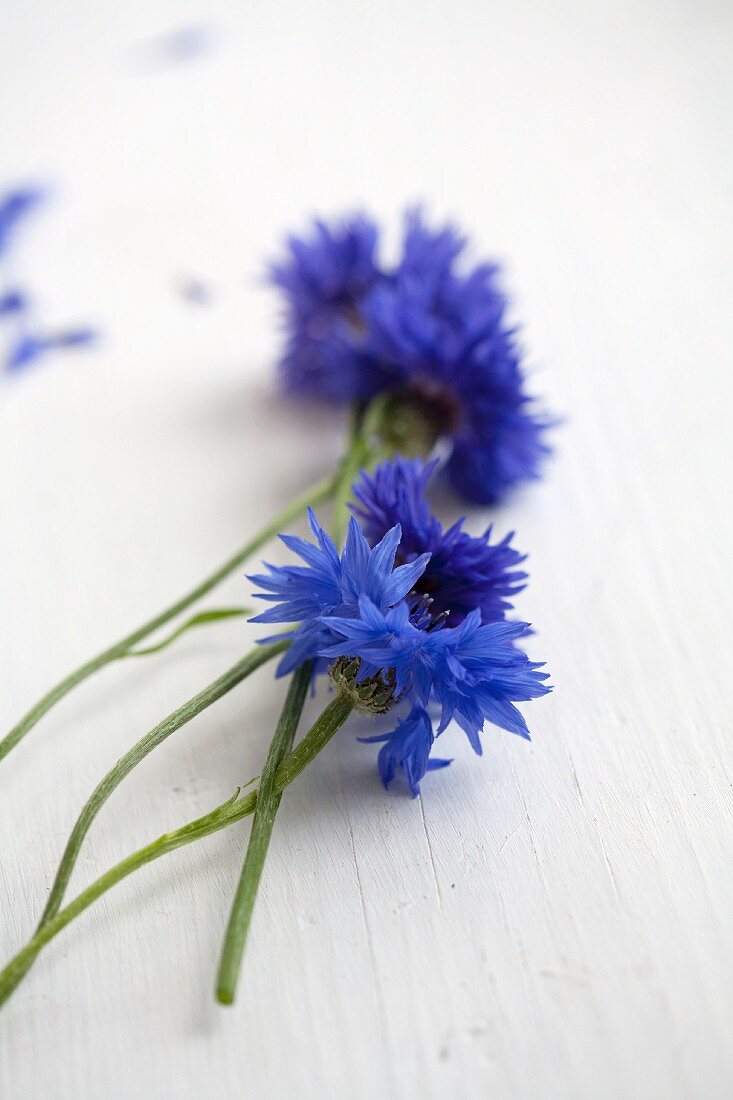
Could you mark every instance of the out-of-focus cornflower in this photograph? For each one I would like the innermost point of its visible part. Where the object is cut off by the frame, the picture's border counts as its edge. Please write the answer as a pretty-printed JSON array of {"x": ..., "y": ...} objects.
[{"x": 431, "y": 333}]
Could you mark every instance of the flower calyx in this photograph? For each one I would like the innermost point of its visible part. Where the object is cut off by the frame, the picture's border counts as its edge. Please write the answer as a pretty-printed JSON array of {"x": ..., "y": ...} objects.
[{"x": 372, "y": 695}]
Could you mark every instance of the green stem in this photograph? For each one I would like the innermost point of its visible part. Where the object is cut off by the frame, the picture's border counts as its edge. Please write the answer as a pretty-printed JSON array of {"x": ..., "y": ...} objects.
[
  {"x": 323, "y": 490},
  {"x": 178, "y": 718},
  {"x": 256, "y": 657},
  {"x": 331, "y": 719},
  {"x": 363, "y": 450},
  {"x": 367, "y": 446},
  {"x": 358, "y": 455},
  {"x": 268, "y": 802},
  {"x": 322, "y": 730}
]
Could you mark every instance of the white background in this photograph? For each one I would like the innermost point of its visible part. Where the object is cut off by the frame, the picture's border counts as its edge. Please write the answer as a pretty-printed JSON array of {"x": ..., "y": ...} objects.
[{"x": 552, "y": 920}]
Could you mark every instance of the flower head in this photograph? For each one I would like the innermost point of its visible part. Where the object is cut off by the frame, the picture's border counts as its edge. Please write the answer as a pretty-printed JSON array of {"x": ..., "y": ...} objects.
[
  {"x": 464, "y": 572},
  {"x": 365, "y": 611},
  {"x": 427, "y": 332},
  {"x": 331, "y": 584}
]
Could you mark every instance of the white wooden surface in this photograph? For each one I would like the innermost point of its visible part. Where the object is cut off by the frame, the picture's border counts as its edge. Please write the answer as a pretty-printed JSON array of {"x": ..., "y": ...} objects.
[{"x": 553, "y": 920}]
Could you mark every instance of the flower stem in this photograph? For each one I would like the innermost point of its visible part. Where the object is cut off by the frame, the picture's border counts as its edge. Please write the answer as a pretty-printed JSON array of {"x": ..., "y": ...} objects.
[
  {"x": 329, "y": 721},
  {"x": 268, "y": 802},
  {"x": 358, "y": 455},
  {"x": 320, "y": 733},
  {"x": 364, "y": 449},
  {"x": 317, "y": 493},
  {"x": 368, "y": 444},
  {"x": 251, "y": 661}
]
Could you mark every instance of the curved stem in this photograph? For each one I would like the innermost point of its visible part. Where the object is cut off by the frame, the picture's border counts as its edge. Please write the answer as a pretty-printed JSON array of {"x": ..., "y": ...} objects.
[
  {"x": 21, "y": 963},
  {"x": 323, "y": 490},
  {"x": 365, "y": 448},
  {"x": 256, "y": 657},
  {"x": 320, "y": 733},
  {"x": 203, "y": 618},
  {"x": 268, "y": 802},
  {"x": 178, "y": 718}
]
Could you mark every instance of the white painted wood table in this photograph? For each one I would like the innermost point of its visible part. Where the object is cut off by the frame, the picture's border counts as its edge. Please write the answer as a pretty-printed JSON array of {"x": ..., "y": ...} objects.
[{"x": 553, "y": 920}]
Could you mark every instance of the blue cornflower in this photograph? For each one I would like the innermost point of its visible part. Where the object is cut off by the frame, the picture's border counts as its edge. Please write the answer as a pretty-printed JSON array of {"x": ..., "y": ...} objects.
[
  {"x": 424, "y": 331},
  {"x": 331, "y": 584},
  {"x": 365, "y": 606},
  {"x": 464, "y": 572}
]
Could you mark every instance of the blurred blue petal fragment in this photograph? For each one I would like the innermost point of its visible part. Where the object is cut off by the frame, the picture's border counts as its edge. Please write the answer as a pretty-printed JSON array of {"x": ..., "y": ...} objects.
[
  {"x": 73, "y": 338},
  {"x": 29, "y": 349},
  {"x": 25, "y": 345},
  {"x": 195, "y": 291},
  {"x": 24, "y": 351},
  {"x": 14, "y": 206},
  {"x": 13, "y": 302},
  {"x": 177, "y": 47}
]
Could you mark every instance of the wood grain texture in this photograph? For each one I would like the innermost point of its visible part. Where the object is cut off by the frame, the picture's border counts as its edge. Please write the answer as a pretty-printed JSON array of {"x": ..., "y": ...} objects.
[{"x": 552, "y": 920}]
